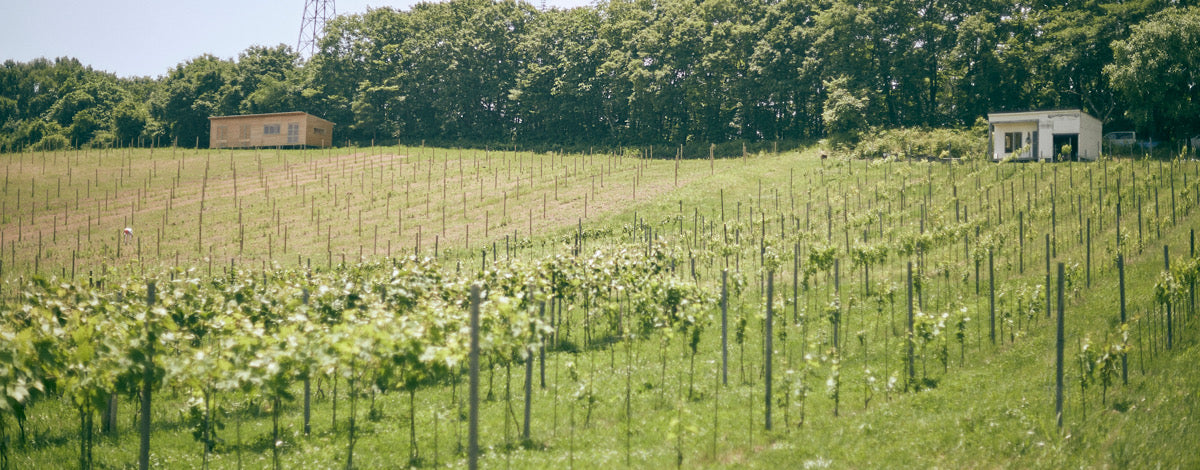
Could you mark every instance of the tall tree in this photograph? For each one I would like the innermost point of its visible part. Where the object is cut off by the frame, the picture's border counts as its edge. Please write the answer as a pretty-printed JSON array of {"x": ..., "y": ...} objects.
[
  {"x": 556, "y": 92},
  {"x": 129, "y": 120},
  {"x": 266, "y": 80},
  {"x": 843, "y": 51},
  {"x": 191, "y": 93},
  {"x": 1157, "y": 70},
  {"x": 779, "y": 88}
]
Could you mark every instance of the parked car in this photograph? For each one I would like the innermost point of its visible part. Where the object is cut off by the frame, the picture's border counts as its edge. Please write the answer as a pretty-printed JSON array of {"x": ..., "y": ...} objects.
[{"x": 1121, "y": 138}]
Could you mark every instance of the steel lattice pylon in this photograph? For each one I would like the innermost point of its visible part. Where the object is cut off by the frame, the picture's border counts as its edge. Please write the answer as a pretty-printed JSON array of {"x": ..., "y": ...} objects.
[{"x": 316, "y": 13}]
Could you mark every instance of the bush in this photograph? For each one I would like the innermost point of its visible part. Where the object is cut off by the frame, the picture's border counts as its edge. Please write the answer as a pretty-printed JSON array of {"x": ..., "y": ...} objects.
[
  {"x": 921, "y": 143},
  {"x": 52, "y": 142},
  {"x": 102, "y": 139},
  {"x": 28, "y": 132}
]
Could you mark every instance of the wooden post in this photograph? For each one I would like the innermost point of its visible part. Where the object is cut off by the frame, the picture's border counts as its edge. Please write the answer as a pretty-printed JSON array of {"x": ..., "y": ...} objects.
[
  {"x": 473, "y": 391},
  {"x": 837, "y": 296},
  {"x": 1047, "y": 275},
  {"x": 528, "y": 393},
  {"x": 991, "y": 297},
  {"x": 909, "y": 337},
  {"x": 147, "y": 387},
  {"x": 307, "y": 386},
  {"x": 1089, "y": 252},
  {"x": 1121, "y": 286},
  {"x": 769, "y": 346},
  {"x": 724, "y": 327},
  {"x": 1054, "y": 215},
  {"x": 542, "y": 347},
  {"x": 1170, "y": 304},
  {"x": 1058, "y": 353}
]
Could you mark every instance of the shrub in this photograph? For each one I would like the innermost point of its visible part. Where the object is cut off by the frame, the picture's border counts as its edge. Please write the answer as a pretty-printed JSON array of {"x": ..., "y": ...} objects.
[
  {"x": 914, "y": 142},
  {"x": 52, "y": 142},
  {"x": 102, "y": 139}
]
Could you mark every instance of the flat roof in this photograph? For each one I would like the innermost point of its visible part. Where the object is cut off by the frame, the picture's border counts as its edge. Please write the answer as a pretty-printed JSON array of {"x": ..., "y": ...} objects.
[
  {"x": 1026, "y": 116},
  {"x": 1036, "y": 110},
  {"x": 288, "y": 113}
]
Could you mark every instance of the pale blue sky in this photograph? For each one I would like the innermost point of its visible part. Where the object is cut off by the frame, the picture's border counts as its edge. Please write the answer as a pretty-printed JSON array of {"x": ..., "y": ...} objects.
[{"x": 147, "y": 37}]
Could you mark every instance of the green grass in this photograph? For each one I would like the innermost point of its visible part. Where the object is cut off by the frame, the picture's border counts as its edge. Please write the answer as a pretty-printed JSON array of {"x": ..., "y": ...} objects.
[{"x": 993, "y": 407}]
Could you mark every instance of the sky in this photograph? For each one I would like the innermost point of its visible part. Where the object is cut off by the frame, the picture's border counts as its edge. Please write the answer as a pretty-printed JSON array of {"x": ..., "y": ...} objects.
[{"x": 147, "y": 37}]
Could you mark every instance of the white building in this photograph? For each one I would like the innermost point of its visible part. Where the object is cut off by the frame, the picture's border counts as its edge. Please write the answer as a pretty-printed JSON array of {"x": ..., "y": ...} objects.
[{"x": 1042, "y": 135}]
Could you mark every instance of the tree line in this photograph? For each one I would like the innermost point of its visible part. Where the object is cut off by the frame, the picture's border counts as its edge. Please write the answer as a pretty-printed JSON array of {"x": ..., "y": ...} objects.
[{"x": 649, "y": 71}]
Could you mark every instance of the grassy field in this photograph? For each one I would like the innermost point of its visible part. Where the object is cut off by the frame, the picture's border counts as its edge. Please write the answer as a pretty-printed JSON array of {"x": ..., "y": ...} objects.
[
  {"x": 842, "y": 396},
  {"x": 191, "y": 207}
]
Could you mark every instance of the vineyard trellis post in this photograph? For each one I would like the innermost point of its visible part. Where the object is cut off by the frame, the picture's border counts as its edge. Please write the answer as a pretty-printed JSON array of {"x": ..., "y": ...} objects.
[
  {"x": 837, "y": 297},
  {"x": 1117, "y": 219},
  {"x": 724, "y": 328},
  {"x": 1047, "y": 275},
  {"x": 991, "y": 298},
  {"x": 1171, "y": 301},
  {"x": 147, "y": 385},
  {"x": 1089, "y": 252},
  {"x": 473, "y": 391},
  {"x": 1121, "y": 288},
  {"x": 528, "y": 393},
  {"x": 542, "y": 346},
  {"x": 1058, "y": 352},
  {"x": 769, "y": 345},
  {"x": 307, "y": 384},
  {"x": 909, "y": 337}
]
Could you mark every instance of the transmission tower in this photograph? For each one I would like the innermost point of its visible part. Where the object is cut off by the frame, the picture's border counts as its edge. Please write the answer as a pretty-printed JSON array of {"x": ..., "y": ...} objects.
[{"x": 316, "y": 13}]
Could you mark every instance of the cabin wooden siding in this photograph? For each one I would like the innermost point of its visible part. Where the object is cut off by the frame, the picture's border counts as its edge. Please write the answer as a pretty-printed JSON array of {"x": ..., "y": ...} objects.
[{"x": 294, "y": 129}]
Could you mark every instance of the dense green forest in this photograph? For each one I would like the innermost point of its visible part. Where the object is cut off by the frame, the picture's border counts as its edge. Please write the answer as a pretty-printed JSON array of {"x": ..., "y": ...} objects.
[{"x": 649, "y": 71}]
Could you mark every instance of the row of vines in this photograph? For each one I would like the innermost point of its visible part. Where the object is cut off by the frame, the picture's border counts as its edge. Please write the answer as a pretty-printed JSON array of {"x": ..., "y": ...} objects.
[{"x": 869, "y": 281}]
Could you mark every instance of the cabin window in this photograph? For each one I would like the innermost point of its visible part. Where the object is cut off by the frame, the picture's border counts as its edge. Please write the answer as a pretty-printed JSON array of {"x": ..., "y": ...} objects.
[
  {"x": 220, "y": 132},
  {"x": 245, "y": 132},
  {"x": 271, "y": 129},
  {"x": 318, "y": 131},
  {"x": 293, "y": 133},
  {"x": 1012, "y": 141}
]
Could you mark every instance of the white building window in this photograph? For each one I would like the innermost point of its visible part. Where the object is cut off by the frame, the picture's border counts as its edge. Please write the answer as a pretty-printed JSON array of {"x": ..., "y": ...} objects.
[{"x": 1012, "y": 141}]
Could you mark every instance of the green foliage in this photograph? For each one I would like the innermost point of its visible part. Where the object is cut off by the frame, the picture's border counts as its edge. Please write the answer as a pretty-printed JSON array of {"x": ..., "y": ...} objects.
[
  {"x": 102, "y": 139},
  {"x": 52, "y": 142},
  {"x": 843, "y": 111},
  {"x": 129, "y": 120},
  {"x": 1156, "y": 69},
  {"x": 27, "y": 133},
  {"x": 232, "y": 350},
  {"x": 920, "y": 142},
  {"x": 190, "y": 93},
  {"x": 84, "y": 127},
  {"x": 665, "y": 72}
]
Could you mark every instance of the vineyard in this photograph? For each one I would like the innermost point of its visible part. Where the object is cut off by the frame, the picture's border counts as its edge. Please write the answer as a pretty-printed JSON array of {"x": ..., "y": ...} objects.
[{"x": 638, "y": 308}]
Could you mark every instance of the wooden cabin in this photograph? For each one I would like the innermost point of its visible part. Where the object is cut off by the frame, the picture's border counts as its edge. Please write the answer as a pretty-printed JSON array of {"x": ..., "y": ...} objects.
[{"x": 291, "y": 129}]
